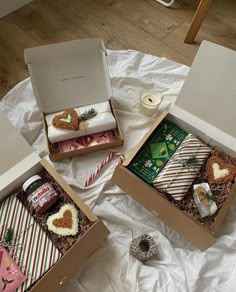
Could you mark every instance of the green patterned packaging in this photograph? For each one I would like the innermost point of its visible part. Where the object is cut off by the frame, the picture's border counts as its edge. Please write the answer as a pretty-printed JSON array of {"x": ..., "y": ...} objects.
[{"x": 156, "y": 152}]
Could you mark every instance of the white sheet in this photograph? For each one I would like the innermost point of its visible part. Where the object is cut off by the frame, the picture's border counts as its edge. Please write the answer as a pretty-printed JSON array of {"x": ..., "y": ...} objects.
[
  {"x": 103, "y": 121},
  {"x": 180, "y": 266}
]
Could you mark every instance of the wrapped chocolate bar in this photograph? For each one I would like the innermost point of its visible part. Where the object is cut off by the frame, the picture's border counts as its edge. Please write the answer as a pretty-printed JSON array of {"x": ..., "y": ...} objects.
[
  {"x": 204, "y": 199},
  {"x": 156, "y": 151},
  {"x": 86, "y": 141},
  {"x": 177, "y": 176}
]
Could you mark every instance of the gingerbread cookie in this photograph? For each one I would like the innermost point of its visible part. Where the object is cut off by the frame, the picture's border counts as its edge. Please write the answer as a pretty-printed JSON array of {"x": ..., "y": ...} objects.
[
  {"x": 64, "y": 222},
  {"x": 69, "y": 120},
  {"x": 219, "y": 171}
]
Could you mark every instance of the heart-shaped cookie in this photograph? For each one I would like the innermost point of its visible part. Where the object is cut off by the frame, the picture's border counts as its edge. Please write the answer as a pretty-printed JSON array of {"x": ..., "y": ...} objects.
[
  {"x": 69, "y": 120},
  {"x": 219, "y": 171},
  {"x": 65, "y": 221}
]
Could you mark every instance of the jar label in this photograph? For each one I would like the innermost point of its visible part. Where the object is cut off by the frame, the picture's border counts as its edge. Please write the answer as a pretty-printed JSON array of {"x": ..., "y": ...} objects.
[{"x": 42, "y": 196}]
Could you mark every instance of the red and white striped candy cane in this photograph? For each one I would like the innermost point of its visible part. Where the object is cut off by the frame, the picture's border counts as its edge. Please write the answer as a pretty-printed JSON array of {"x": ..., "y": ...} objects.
[{"x": 102, "y": 164}]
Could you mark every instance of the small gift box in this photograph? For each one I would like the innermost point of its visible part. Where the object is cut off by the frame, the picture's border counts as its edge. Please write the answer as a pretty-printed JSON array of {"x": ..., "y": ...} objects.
[
  {"x": 156, "y": 152},
  {"x": 11, "y": 276},
  {"x": 177, "y": 176},
  {"x": 68, "y": 77},
  {"x": 32, "y": 250},
  {"x": 204, "y": 199}
]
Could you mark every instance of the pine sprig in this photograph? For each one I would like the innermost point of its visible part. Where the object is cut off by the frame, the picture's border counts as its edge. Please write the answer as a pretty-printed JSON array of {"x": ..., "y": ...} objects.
[
  {"x": 190, "y": 161},
  {"x": 8, "y": 236},
  {"x": 210, "y": 197},
  {"x": 207, "y": 195},
  {"x": 87, "y": 115}
]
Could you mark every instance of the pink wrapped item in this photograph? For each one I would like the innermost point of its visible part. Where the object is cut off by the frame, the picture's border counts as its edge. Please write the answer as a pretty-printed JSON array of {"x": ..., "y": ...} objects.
[
  {"x": 11, "y": 276},
  {"x": 86, "y": 141}
]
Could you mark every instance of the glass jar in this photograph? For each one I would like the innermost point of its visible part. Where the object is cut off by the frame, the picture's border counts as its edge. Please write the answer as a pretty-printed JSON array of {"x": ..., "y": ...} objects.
[{"x": 40, "y": 194}]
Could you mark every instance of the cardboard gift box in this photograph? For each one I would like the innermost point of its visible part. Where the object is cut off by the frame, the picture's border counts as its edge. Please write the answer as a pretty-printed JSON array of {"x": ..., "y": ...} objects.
[
  {"x": 205, "y": 107},
  {"x": 18, "y": 163},
  {"x": 69, "y": 75}
]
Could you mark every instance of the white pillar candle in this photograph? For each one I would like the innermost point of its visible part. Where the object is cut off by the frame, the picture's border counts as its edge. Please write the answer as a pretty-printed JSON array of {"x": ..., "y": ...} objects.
[{"x": 150, "y": 101}]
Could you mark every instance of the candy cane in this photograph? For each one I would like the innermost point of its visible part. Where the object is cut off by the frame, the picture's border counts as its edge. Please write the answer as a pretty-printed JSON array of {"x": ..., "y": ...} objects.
[{"x": 102, "y": 164}]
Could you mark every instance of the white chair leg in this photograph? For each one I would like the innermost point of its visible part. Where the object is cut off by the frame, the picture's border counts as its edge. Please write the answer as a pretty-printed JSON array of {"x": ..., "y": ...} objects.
[{"x": 167, "y": 4}]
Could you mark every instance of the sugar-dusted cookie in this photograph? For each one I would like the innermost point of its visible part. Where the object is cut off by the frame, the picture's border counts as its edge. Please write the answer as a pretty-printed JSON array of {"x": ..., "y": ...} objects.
[
  {"x": 69, "y": 120},
  {"x": 219, "y": 171},
  {"x": 65, "y": 221}
]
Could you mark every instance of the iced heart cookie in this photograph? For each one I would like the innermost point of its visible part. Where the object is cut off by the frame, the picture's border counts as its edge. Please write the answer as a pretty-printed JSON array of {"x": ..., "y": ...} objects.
[
  {"x": 219, "y": 171},
  {"x": 69, "y": 120},
  {"x": 65, "y": 221}
]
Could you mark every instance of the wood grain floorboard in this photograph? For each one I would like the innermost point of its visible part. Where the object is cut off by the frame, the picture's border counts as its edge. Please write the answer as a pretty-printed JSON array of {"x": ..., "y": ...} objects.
[{"x": 132, "y": 24}]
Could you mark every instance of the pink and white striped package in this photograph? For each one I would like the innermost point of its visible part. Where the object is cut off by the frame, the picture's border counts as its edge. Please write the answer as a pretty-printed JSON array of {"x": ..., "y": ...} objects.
[
  {"x": 86, "y": 141},
  {"x": 34, "y": 252},
  {"x": 177, "y": 176}
]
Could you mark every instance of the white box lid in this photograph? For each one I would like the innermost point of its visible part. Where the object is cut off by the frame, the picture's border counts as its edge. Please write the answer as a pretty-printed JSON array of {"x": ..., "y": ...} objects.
[
  {"x": 16, "y": 153},
  {"x": 69, "y": 74},
  {"x": 208, "y": 97}
]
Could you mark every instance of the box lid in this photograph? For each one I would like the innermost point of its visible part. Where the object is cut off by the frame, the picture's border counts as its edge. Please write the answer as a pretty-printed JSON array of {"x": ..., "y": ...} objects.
[
  {"x": 69, "y": 74},
  {"x": 208, "y": 96},
  {"x": 16, "y": 153}
]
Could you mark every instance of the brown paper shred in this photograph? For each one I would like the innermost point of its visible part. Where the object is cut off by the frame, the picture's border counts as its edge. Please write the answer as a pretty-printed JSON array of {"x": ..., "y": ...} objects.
[
  {"x": 63, "y": 243},
  {"x": 220, "y": 192}
]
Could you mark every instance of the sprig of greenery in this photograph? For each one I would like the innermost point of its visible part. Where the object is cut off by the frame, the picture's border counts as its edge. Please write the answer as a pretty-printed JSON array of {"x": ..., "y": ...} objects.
[
  {"x": 210, "y": 197},
  {"x": 8, "y": 236},
  {"x": 88, "y": 115},
  {"x": 190, "y": 161}
]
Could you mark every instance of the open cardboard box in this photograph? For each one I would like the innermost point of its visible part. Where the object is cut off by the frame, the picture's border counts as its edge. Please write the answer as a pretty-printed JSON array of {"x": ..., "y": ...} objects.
[
  {"x": 206, "y": 108},
  {"x": 67, "y": 75},
  {"x": 19, "y": 162}
]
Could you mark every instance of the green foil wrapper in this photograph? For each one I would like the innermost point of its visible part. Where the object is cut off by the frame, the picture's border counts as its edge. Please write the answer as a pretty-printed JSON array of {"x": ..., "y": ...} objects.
[{"x": 156, "y": 152}]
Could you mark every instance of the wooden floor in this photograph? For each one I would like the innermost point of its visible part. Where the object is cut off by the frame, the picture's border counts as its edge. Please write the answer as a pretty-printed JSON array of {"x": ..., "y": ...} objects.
[{"x": 142, "y": 25}]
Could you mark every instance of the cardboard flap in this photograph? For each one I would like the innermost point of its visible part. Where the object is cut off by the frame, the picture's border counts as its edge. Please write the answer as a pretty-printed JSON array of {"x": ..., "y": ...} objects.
[
  {"x": 209, "y": 92},
  {"x": 14, "y": 150},
  {"x": 69, "y": 74},
  {"x": 210, "y": 131},
  {"x": 157, "y": 204},
  {"x": 136, "y": 149},
  {"x": 13, "y": 147}
]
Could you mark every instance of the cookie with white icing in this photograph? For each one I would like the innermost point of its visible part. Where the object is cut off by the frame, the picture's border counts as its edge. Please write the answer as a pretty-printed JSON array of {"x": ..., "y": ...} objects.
[
  {"x": 219, "y": 171},
  {"x": 65, "y": 221},
  {"x": 69, "y": 120}
]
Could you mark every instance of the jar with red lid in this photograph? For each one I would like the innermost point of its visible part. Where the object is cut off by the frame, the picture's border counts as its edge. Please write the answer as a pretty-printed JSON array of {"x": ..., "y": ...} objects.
[{"x": 40, "y": 194}]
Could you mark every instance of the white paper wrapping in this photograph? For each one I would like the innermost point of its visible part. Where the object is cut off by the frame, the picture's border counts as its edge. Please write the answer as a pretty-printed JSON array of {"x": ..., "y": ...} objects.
[
  {"x": 103, "y": 121},
  {"x": 206, "y": 206},
  {"x": 180, "y": 267}
]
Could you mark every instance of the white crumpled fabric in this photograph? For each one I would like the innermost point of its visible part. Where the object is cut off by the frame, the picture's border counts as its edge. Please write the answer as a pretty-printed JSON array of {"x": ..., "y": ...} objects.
[{"x": 179, "y": 266}]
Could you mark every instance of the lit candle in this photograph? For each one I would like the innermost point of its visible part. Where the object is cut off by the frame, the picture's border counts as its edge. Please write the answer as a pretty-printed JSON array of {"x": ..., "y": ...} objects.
[{"x": 150, "y": 102}]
